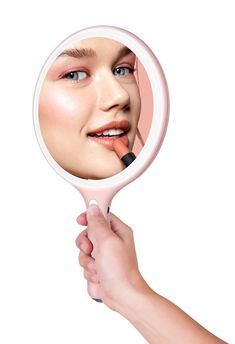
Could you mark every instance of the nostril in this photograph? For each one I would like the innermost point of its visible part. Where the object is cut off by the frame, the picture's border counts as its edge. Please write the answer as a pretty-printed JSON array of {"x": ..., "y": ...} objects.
[{"x": 126, "y": 107}]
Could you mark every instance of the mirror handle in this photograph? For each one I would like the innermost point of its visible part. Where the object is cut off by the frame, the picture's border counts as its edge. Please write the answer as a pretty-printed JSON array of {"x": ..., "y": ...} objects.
[
  {"x": 92, "y": 288},
  {"x": 103, "y": 198}
]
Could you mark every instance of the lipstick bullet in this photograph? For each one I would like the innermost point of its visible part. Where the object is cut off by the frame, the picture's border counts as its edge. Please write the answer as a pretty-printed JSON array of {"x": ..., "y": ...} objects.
[{"x": 123, "y": 152}]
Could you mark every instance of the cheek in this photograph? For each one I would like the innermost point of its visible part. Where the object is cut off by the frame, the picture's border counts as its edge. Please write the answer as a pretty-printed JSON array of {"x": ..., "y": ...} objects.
[{"x": 62, "y": 108}]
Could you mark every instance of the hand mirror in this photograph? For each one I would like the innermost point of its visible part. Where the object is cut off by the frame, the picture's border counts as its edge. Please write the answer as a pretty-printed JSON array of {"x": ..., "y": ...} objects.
[{"x": 100, "y": 110}]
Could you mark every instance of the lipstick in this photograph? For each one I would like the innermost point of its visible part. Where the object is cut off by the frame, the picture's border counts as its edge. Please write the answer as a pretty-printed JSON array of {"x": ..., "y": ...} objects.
[{"x": 123, "y": 152}]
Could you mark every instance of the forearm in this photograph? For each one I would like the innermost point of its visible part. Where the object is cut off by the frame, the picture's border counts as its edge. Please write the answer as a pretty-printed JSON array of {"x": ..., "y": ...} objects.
[
  {"x": 123, "y": 289},
  {"x": 162, "y": 322}
]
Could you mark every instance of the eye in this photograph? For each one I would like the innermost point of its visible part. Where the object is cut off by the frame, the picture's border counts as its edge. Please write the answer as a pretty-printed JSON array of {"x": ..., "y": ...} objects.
[
  {"x": 123, "y": 71},
  {"x": 76, "y": 75}
]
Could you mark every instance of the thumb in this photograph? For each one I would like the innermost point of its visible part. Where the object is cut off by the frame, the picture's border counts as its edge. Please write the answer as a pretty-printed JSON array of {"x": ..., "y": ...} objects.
[{"x": 98, "y": 228}]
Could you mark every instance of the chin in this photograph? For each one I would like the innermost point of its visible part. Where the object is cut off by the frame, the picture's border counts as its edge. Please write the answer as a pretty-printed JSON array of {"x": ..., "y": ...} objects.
[
  {"x": 98, "y": 169},
  {"x": 98, "y": 172},
  {"x": 106, "y": 172}
]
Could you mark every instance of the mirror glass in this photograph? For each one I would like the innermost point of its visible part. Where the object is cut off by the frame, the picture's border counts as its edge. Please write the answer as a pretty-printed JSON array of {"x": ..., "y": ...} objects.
[{"x": 96, "y": 91}]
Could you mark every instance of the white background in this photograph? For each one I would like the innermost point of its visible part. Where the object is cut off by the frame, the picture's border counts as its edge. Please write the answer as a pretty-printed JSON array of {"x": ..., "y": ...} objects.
[{"x": 181, "y": 209}]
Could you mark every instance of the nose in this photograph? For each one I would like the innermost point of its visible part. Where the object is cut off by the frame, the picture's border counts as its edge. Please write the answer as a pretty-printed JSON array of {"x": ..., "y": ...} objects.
[{"x": 111, "y": 93}]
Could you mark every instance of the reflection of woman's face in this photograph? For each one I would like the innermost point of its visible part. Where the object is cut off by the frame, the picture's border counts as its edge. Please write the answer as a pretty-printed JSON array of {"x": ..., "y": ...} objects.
[{"x": 89, "y": 98}]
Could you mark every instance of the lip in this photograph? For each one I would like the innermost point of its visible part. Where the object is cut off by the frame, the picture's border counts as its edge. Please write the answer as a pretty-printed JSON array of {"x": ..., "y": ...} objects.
[
  {"x": 108, "y": 141},
  {"x": 124, "y": 125}
]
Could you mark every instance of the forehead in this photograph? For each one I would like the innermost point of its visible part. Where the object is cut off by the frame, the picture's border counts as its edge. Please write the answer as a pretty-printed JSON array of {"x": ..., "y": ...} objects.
[
  {"x": 98, "y": 42},
  {"x": 92, "y": 47}
]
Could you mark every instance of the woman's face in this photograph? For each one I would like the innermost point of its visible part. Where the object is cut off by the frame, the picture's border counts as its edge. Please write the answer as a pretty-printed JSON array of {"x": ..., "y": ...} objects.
[{"x": 88, "y": 99}]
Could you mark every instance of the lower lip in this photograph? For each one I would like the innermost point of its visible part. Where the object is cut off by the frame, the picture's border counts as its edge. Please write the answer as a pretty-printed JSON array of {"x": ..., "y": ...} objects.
[{"x": 108, "y": 141}]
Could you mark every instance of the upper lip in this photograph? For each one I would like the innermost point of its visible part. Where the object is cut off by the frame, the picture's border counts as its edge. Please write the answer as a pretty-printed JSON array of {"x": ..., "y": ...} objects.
[{"x": 123, "y": 125}]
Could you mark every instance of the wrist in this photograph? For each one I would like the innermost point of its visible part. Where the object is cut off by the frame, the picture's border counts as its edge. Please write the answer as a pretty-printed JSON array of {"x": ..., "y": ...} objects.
[{"x": 130, "y": 297}]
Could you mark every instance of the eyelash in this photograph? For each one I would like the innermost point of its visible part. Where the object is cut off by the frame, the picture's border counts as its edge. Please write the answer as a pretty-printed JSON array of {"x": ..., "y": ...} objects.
[
  {"x": 66, "y": 75},
  {"x": 130, "y": 69}
]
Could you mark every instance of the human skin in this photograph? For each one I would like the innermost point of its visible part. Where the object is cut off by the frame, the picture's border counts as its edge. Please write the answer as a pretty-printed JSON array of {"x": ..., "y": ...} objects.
[
  {"x": 123, "y": 289},
  {"x": 90, "y": 85}
]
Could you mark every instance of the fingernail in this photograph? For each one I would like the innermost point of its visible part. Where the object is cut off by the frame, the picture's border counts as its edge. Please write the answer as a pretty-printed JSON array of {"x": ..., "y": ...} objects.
[{"x": 93, "y": 210}]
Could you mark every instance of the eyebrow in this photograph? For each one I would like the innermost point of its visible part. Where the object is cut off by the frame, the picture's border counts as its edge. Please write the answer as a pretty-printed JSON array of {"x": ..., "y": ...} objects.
[
  {"x": 78, "y": 53},
  {"x": 123, "y": 51},
  {"x": 88, "y": 52}
]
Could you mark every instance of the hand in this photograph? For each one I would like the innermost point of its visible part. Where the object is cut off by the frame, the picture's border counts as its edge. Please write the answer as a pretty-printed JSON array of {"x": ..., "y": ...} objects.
[
  {"x": 108, "y": 257},
  {"x": 107, "y": 254}
]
